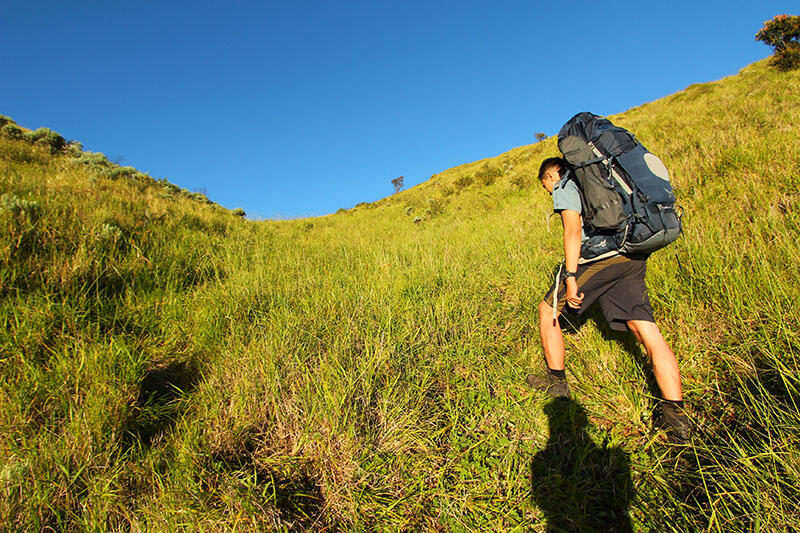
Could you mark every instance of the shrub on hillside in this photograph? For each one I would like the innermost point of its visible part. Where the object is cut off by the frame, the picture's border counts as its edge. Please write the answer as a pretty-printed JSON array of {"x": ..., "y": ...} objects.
[
  {"x": 110, "y": 238},
  {"x": 200, "y": 197},
  {"x": 20, "y": 209},
  {"x": 521, "y": 181},
  {"x": 168, "y": 187},
  {"x": 239, "y": 212},
  {"x": 782, "y": 34},
  {"x": 22, "y": 152},
  {"x": 13, "y": 131},
  {"x": 116, "y": 173},
  {"x": 48, "y": 138},
  {"x": 788, "y": 59},
  {"x": 94, "y": 159},
  {"x": 19, "y": 222},
  {"x": 488, "y": 173},
  {"x": 434, "y": 207},
  {"x": 463, "y": 182},
  {"x": 74, "y": 148},
  {"x": 42, "y": 137}
]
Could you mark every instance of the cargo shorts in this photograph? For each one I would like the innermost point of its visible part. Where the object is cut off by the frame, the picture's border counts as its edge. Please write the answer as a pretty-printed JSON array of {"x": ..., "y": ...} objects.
[{"x": 616, "y": 284}]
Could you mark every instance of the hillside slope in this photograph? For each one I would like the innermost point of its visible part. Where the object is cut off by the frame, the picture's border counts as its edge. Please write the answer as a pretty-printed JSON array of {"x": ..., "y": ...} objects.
[{"x": 167, "y": 365}]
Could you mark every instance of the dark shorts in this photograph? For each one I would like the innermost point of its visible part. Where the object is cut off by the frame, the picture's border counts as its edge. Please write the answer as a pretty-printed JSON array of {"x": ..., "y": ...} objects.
[{"x": 617, "y": 284}]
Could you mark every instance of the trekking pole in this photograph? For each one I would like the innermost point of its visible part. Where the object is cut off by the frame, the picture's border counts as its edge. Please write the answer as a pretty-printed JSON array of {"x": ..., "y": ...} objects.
[{"x": 555, "y": 292}]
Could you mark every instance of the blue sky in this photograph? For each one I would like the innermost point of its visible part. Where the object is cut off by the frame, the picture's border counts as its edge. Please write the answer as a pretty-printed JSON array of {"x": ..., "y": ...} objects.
[{"x": 294, "y": 109}]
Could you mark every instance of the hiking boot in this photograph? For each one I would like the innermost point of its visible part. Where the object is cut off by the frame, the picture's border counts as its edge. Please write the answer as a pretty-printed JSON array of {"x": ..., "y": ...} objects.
[
  {"x": 555, "y": 387},
  {"x": 675, "y": 421}
]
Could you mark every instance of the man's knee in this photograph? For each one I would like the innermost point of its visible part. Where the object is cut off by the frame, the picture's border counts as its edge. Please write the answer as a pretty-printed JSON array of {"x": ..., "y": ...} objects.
[
  {"x": 643, "y": 329},
  {"x": 545, "y": 309}
]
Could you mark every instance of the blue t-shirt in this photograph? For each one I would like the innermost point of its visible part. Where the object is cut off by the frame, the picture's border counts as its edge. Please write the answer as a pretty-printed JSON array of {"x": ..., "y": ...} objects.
[{"x": 567, "y": 196}]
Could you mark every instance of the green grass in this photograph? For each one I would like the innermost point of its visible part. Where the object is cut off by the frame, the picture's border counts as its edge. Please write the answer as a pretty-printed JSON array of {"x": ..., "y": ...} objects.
[{"x": 167, "y": 365}]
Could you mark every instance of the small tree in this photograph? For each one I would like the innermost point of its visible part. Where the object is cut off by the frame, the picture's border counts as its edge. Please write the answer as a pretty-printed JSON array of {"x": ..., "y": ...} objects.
[
  {"x": 782, "y": 34},
  {"x": 540, "y": 137},
  {"x": 398, "y": 183}
]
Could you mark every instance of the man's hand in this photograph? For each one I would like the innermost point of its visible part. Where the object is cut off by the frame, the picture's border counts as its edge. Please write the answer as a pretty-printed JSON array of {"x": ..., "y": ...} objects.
[{"x": 573, "y": 298}]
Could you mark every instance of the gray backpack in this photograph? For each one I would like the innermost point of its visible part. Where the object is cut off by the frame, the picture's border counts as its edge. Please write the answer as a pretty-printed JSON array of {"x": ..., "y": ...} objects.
[{"x": 627, "y": 200}]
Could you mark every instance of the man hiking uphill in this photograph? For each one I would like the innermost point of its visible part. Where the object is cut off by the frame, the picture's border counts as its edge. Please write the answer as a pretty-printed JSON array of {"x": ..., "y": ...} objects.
[{"x": 615, "y": 279}]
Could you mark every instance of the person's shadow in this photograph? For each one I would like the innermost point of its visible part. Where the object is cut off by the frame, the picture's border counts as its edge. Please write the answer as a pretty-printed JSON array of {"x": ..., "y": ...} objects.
[{"x": 578, "y": 485}]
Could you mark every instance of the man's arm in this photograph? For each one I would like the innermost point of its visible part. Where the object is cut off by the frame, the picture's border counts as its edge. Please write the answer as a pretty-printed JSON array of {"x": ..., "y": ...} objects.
[{"x": 571, "y": 220}]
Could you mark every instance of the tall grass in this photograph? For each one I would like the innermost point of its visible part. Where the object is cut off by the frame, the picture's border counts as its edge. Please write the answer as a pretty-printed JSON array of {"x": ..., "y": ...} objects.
[{"x": 167, "y": 365}]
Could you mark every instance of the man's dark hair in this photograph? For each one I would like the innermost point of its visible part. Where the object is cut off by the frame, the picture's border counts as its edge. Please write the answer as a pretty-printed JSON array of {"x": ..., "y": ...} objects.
[{"x": 549, "y": 163}]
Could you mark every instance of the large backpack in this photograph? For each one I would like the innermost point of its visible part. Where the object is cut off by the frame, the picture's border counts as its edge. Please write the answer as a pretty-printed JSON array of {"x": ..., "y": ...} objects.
[{"x": 627, "y": 200}]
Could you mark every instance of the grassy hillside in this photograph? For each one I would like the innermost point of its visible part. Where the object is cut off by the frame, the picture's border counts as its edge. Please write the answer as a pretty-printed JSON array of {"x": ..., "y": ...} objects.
[{"x": 167, "y": 365}]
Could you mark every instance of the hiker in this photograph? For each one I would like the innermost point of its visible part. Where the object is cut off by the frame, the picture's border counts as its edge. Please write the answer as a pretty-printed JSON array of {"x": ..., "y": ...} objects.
[{"x": 617, "y": 283}]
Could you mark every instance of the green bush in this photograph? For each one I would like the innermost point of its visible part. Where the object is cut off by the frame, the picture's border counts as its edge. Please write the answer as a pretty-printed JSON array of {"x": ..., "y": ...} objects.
[
  {"x": 782, "y": 34},
  {"x": 13, "y": 131},
  {"x": 94, "y": 159},
  {"x": 200, "y": 197},
  {"x": 49, "y": 138},
  {"x": 22, "y": 152},
  {"x": 434, "y": 207},
  {"x": 74, "y": 148},
  {"x": 488, "y": 173},
  {"x": 239, "y": 212},
  {"x": 521, "y": 181},
  {"x": 20, "y": 209},
  {"x": 110, "y": 237},
  {"x": 788, "y": 58},
  {"x": 5, "y": 120},
  {"x": 463, "y": 182},
  {"x": 19, "y": 223},
  {"x": 115, "y": 173},
  {"x": 169, "y": 187}
]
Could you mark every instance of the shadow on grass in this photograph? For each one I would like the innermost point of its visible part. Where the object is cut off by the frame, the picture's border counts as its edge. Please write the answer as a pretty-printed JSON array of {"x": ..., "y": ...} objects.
[
  {"x": 573, "y": 322},
  {"x": 578, "y": 485},
  {"x": 159, "y": 402},
  {"x": 290, "y": 493}
]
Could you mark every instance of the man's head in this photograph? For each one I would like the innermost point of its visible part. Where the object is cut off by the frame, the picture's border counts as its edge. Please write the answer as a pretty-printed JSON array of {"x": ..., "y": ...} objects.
[{"x": 551, "y": 170}]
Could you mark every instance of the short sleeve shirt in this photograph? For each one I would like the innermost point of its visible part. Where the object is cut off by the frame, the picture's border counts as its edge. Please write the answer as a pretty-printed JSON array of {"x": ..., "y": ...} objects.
[{"x": 567, "y": 196}]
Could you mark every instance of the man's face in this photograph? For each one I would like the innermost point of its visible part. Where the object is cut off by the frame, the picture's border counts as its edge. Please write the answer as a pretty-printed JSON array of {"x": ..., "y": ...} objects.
[{"x": 550, "y": 178}]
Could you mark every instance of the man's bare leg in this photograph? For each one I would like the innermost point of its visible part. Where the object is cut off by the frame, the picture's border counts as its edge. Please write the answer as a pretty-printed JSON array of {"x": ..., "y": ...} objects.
[
  {"x": 552, "y": 338},
  {"x": 665, "y": 364},
  {"x": 554, "y": 381}
]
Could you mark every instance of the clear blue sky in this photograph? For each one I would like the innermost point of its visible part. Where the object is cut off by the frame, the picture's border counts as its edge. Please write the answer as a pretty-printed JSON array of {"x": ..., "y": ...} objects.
[{"x": 299, "y": 108}]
